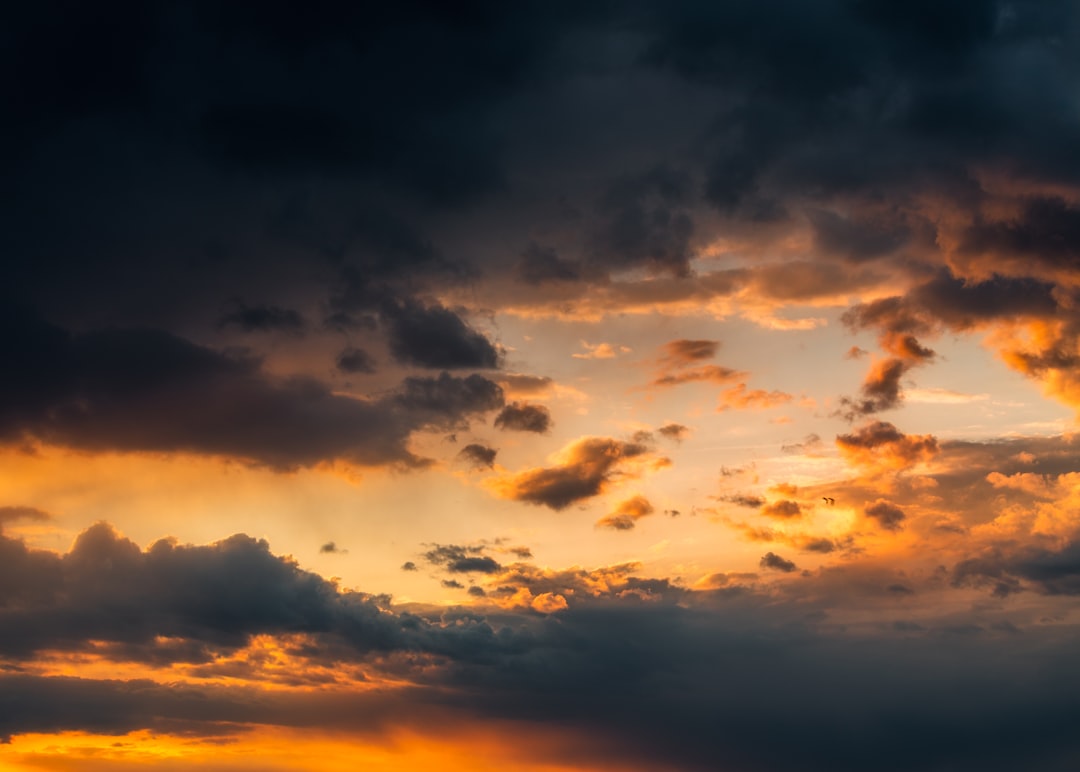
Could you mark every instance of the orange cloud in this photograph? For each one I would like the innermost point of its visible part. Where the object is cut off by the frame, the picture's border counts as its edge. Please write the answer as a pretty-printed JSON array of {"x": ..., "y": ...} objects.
[
  {"x": 581, "y": 470},
  {"x": 626, "y": 514},
  {"x": 739, "y": 398}
]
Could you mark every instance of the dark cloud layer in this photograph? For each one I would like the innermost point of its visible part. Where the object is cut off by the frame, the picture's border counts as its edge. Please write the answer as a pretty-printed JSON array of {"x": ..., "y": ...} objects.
[
  {"x": 686, "y": 680},
  {"x": 146, "y": 390}
]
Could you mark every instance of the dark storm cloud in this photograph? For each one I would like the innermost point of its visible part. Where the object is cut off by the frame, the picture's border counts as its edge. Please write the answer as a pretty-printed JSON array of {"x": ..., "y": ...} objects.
[
  {"x": 262, "y": 318},
  {"x": 355, "y": 360},
  {"x": 146, "y": 390},
  {"x": 436, "y": 337},
  {"x": 523, "y": 417},
  {"x": 1046, "y": 230},
  {"x": 539, "y": 265},
  {"x": 479, "y": 456},
  {"x": 644, "y": 222}
]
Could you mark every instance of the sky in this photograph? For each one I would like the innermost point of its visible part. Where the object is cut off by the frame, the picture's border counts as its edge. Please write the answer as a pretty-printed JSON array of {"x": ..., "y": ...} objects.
[{"x": 548, "y": 386}]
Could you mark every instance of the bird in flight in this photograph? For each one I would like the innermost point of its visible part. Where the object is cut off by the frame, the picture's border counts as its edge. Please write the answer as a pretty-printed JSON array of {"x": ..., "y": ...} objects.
[{"x": 828, "y": 500}]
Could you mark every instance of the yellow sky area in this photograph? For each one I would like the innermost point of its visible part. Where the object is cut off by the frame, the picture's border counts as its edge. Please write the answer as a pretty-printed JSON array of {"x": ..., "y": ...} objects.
[{"x": 457, "y": 747}]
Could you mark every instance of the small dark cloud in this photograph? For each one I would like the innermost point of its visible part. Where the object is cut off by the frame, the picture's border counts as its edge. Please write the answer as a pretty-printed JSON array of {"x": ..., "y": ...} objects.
[
  {"x": 435, "y": 337},
  {"x": 477, "y": 592},
  {"x": 408, "y": 565},
  {"x": 524, "y": 417},
  {"x": 462, "y": 559},
  {"x": 332, "y": 548},
  {"x": 478, "y": 456},
  {"x": 811, "y": 442},
  {"x": 785, "y": 509},
  {"x": 676, "y": 432},
  {"x": 262, "y": 318},
  {"x": 888, "y": 515},
  {"x": 683, "y": 352},
  {"x": 774, "y": 562},
  {"x": 745, "y": 500},
  {"x": 355, "y": 360},
  {"x": 453, "y": 584},
  {"x": 899, "y": 589},
  {"x": 821, "y": 545}
]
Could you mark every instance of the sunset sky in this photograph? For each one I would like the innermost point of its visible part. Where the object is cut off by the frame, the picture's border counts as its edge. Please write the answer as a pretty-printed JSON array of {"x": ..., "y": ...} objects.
[{"x": 542, "y": 386}]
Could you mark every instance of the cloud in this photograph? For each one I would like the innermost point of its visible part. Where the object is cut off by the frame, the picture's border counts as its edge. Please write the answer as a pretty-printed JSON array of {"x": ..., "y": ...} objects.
[
  {"x": 738, "y": 398},
  {"x": 583, "y": 469},
  {"x": 601, "y": 351},
  {"x": 881, "y": 445},
  {"x": 888, "y": 515},
  {"x": 10, "y": 514},
  {"x": 355, "y": 360},
  {"x": 706, "y": 374},
  {"x": 626, "y": 514},
  {"x": 676, "y": 432},
  {"x": 445, "y": 401},
  {"x": 539, "y": 265},
  {"x": 478, "y": 456},
  {"x": 643, "y": 222},
  {"x": 784, "y": 509},
  {"x": 774, "y": 562},
  {"x": 523, "y": 417},
  {"x": 331, "y": 548},
  {"x": 435, "y": 337},
  {"x": 462, "y": 559},
  {"x": 216, "y": 596},
  {"x": 146, "y": 390},
  {"x": 745, "y": 500},
  {"x": 683, "y": 352},
  {"x": 811, "y": 443},
  {"x": 262, "y": 318}
]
